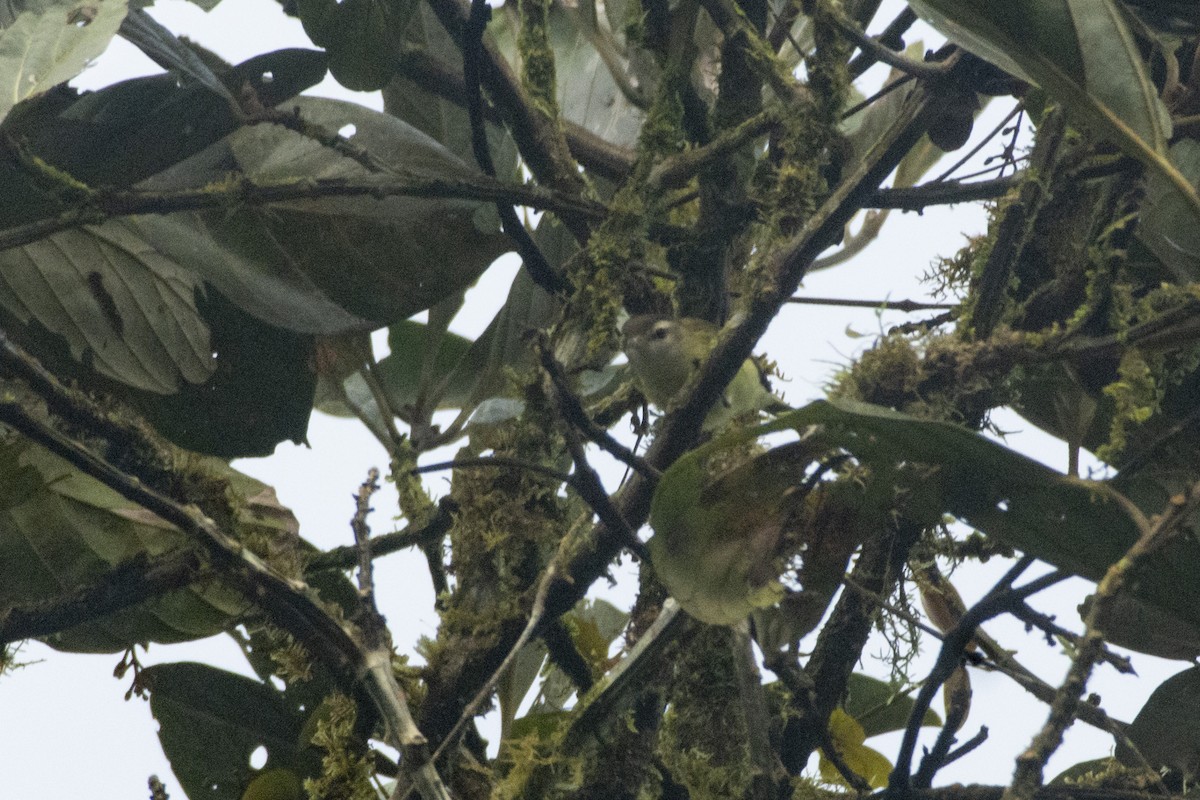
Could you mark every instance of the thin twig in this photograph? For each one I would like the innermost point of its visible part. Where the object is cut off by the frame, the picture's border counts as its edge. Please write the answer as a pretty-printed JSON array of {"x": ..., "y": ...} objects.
[
  {"x": 1045, "y": 623},
  {"x": 539, "y": 269},
  {"x": 104, "y": 204},
  {"x": 432, "y": 531},
  {"x": 575, "y": 415},
  {"x": 905, "y": 306},
  {"x": 918, "y": 69},
  {"x": 1028, "y": 774},
  {"x": 362, "y": 536},
  {"x": 1001, "y": 597}
]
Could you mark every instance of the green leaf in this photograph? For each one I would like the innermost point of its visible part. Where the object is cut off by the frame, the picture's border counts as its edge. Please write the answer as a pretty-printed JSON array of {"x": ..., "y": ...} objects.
[
  {"x": 122, "y": 307},
  {"x": 50, "y": 42},
  {"x": 454, "y": 362},
  {"x": 717, "y": 537},
  {"x": 1166, "y": 225},
  {"x": 440, "y": 119},
  {"x": 879, "y": 707},
  {"x": 60, "y": 530},
  {"x": 1129, "y": 622},
  {"x": 847, "y": 737},
  {"x": 131, "y": 130},
  {"x": 360, "y": 36},
  {"x": 1004, "y": 494},
  {"x": 211, "y": 721},
  {"x": 295, "y": 264},
  {"x": 260, "y": 394},
  {"x": 169, "y": 51},
  {"x": 1167, "y": 729},
  {"x": 1083, "y": 54}
]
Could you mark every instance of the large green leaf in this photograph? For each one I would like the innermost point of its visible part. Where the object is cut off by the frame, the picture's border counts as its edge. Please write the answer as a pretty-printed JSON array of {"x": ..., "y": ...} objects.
[
  {"x": 50, "y": 42},
  {"x": 438, "y": 118},
  {"x": 879, "y": 707},
  {"x": 131, "y": 130},
  {"x": 1167, "y": 729},
  {"x": 260, "y": 394},
  {"x": 1084, "y": 55},
  {"x": 361, "y": 37},
  {"x": 61, "y": 530},
  {"x": 1076, "y": 525},
  {"x": 211, "y": 721},
  {"x": 937, "y": 467},
  {"x": 121, "y": 306},
  {"x": 326, "y": 265}
]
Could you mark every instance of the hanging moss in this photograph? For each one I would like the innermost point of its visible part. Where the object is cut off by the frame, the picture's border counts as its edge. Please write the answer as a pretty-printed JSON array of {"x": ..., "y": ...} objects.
[
  {"x": 537, "y": 56},
  {"x": 345, "y": 769}
]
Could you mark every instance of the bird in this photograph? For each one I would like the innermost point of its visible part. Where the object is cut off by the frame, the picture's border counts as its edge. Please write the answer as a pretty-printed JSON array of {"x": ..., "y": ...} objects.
[{"x": 666, "y": 352}]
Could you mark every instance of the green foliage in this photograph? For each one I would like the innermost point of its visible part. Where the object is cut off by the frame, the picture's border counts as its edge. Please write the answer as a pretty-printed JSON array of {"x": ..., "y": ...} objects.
[{"x": 198, "y": 259}]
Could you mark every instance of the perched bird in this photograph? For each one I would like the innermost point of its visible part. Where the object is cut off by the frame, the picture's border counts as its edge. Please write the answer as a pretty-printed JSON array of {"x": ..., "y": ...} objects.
[{"x": 665, "y": 352}]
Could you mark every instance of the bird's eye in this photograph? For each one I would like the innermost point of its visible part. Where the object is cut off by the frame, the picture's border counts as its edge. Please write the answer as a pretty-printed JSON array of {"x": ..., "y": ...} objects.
[{"x": 661, "y": 331}]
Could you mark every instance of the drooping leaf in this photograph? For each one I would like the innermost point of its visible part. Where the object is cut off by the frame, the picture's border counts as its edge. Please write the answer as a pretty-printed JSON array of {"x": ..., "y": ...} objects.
[
  {"x": 51, "y": 41},
  {"x": 360, "y": 36},
  {"x": 1006, "y": 495},
  {"x": 61, "y": 530},
  {"x": 295, "y": 264},
  {"x": 718, "y": 538},
  {"x": 1084, "y": 55},
  {"x": 879, "y": 707},
  {"x": 211, "y": 721},
  {"x": 1167, "y": 729},
  {"x": 866, "y": 762},
  {"x": 260, "y": 394}
]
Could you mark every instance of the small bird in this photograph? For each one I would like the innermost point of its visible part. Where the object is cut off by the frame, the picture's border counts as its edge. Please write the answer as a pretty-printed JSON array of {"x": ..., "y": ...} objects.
[{"x": 665, "y": 352}]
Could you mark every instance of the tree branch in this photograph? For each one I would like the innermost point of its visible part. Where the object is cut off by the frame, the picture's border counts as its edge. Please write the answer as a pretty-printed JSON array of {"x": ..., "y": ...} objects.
[
  {"x": 101, "y": 205},
  {"x": 538, "y": 139},
  {"x": 599, "y": 156},
  {"x": 127, "y": 584},
  {"x": 285, "y": 600},
  {"x": 1028, "y": 774},
  {"x": 916, "y": 198},
  {"x": 432, "y": 531}
]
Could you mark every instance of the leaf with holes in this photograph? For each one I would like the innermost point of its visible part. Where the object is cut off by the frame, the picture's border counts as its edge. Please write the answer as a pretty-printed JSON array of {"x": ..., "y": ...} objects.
[
  {"x": 212, "y": 721},
  {"x": 120, "y": 305},
  {"x": 50, "y": 42}
]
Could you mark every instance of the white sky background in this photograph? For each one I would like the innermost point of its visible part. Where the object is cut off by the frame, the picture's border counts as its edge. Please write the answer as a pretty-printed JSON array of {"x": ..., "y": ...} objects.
[{"x": 65, "y": 727}]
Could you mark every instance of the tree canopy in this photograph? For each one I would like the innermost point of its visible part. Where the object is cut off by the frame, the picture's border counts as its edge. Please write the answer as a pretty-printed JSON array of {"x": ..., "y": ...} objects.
[{"x": 191, "y": 263}]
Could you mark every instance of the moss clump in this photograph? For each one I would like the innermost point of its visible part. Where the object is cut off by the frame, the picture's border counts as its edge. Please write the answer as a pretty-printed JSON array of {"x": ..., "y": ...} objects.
[
  {"x": 345, "y": 769},
  {"x": 537, "y": 56}
]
